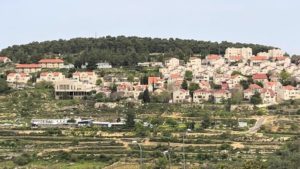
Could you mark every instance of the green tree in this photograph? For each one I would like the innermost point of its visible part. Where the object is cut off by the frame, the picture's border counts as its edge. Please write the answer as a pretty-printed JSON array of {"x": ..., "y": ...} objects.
[
  {"x": 256, "y": 99},
  {"x": 235, "y": 72},
  {"x": 227, "y": 104},
  {"x": 130, "y": 78},
  {"x": 23, "y": 159},
  {"x": 98, "y": 82},
  {"x": 254, "y": 164},
  {"x": 285, "y": 77},
  {"x": 130, "y": 116},
  {"x": 206, "y": 122},
  {"x": 113, "y": 87},
  {"x": 193, "y": 87},
  {"x": 3, "y": 85},
  {"x": 100, "y": 97},
  {"x": 44, "y": 85},
  {"x": 141, "y": 131},
  {"x": 146, "y": 96},
  {"x": 184, "y": 85},
  {"x": 259, "y": 84},
  {"x": 237, "y": 96},
  {"x": 120, "y": 50},
  {"x": 245, "y": 84},
  {"x": 161, "y": 163},
  {"x": 163, "y": 97},
  {"x": 188, "y": 75}
]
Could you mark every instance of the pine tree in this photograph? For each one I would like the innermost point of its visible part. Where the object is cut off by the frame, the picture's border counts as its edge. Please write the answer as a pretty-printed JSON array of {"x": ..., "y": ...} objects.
[{"x": 146, "y": 96}]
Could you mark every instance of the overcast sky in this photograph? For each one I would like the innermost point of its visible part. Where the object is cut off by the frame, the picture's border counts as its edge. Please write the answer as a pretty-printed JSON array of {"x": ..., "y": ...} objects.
[{"x": 269, "y": 22}]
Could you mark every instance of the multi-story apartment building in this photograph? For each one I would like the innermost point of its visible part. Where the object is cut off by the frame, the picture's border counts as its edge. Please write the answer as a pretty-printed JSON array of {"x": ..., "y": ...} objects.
[
  {"x": 70, "y": 88},
  {"x": 245, "y": 53},
  {"x": 28, "y": 68},
  {"x": 172, "y": 62},
  {"x": 275, "y": 53}
]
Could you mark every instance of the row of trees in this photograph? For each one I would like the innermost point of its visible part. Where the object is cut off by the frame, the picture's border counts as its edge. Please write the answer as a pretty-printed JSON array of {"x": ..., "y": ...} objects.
[{"x": 119, "y": 50}]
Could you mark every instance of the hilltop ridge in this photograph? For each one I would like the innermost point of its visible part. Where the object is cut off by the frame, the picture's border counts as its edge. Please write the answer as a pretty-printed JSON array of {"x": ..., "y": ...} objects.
[{"x": 120, "y": 50}]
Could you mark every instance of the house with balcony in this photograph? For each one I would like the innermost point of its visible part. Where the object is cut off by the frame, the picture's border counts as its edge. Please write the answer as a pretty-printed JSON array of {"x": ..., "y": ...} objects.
[
  {"x": 86, "y": 77},
  {"x": 18, "y": 79},
  {"x": 71, "y": 88},
  {"x": 50, "y": 77}
]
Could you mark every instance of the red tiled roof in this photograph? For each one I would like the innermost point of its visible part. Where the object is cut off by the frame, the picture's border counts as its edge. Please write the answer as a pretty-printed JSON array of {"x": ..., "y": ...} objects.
[
  {"x": 202, "y": 91},
  {"x": 213, "y": 57},
  {"x": 272, "y": 93},
  {"x": 51, "y": 61},
  {"x": 259, "y": 58},
  {"x": 152, "y": 80},
  {"x": 18, "y": 66},
  {"x": 289, "y": 87},
  {"x": 2, "y": 58},
  {"x": 258, "y": 76},
  {"x": 248, "y": 90},
  {"x": 183, "y": 91},
  {"x": 47, "y": 73},
  {"x": 204, "y": 83},
  {"x": 175, "y": 76},
  {"x": 221, "y": 91},
  {"x": 254, "y": 86},
  {"x": 270, "y": 83},
  {"x": 15, "y": 74}
]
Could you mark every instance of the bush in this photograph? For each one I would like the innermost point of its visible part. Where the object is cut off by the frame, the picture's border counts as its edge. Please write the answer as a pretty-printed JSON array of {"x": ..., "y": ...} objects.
[
  {"x": 44, "y": 85},
  {"x": 3, "y": 85},
  {"x": 22, "y": 160},
  {"x": 53, "y": 131}
]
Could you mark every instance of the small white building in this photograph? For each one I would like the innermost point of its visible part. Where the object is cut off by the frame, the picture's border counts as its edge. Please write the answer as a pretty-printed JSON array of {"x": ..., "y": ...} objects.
[{"x": 103, "y": 65}]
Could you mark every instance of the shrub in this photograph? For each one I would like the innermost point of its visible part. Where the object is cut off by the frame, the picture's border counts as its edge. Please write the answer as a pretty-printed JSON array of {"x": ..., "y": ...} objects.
[{"x": 22, "y": 160}]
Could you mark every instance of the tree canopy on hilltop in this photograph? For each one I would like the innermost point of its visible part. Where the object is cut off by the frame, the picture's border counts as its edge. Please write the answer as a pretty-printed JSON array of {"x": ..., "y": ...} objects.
[{"x": 121, "y": 50}]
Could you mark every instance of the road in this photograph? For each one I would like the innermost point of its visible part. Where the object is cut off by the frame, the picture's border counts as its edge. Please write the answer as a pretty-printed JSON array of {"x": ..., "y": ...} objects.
[{"x": 257, "y": 125}]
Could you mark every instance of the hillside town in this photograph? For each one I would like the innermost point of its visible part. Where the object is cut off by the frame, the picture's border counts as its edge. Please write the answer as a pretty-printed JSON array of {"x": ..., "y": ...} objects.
[{"x": 215, "y": 78}]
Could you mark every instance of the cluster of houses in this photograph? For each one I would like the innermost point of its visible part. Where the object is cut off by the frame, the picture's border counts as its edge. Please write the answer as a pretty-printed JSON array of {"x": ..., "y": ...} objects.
[
  {"x": 264, "y": 68},
  {"x": 219, "y": 70}
]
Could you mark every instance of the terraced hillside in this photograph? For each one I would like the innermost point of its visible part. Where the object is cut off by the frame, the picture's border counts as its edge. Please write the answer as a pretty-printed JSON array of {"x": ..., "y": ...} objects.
[{"x": 214, "y": 137}]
